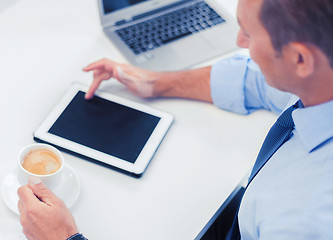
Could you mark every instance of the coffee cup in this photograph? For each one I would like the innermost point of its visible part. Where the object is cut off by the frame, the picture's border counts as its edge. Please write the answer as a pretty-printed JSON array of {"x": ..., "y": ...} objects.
[{"x": 41, "y": 161}]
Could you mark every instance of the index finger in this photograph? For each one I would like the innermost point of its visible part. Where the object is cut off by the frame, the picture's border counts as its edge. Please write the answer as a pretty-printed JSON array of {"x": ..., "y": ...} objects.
[
  {"x": 26, "y": 195},
  {"x": 92, "y": 89}
]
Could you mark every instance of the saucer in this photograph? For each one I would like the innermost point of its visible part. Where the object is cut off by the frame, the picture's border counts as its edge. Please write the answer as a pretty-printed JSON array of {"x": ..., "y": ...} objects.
[{"x": 68, "y": 191}]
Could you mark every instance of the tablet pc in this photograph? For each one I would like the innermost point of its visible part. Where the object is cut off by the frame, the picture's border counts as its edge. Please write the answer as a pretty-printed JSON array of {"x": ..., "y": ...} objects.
[{"x": 110, "y": 130}]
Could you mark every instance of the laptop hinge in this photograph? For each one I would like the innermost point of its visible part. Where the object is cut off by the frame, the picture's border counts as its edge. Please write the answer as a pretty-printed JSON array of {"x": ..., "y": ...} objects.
[{"x": 143, "y": 15}]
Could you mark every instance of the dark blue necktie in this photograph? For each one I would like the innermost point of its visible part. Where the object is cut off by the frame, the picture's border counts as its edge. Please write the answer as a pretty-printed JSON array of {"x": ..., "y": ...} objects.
[{"x": 277, "y": 135}]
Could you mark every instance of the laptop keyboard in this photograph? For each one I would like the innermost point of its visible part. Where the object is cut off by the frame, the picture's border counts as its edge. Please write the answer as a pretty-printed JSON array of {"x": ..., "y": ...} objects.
[{"x": 155, "y": 32}]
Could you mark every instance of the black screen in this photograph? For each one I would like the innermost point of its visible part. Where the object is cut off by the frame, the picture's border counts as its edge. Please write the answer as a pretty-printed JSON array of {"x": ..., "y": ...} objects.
[
  {"x": 105, "y": 126},
  {"x": 113, "y": 5}
]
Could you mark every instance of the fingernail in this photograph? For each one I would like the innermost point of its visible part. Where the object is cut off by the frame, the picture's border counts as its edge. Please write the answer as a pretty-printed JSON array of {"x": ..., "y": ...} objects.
[{"x": 34, "y": 180}]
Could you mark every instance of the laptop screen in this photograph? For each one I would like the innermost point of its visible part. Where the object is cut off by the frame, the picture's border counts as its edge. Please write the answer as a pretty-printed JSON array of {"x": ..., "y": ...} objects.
[{"x": 114, "y": 5}]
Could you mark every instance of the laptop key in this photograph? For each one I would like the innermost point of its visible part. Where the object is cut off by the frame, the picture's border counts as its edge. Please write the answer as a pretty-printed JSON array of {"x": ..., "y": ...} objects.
[{"x": 176, "y": 37}]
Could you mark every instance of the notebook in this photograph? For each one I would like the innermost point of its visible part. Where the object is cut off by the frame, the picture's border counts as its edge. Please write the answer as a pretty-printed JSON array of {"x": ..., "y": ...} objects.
[{"x": 168, "y": 34}]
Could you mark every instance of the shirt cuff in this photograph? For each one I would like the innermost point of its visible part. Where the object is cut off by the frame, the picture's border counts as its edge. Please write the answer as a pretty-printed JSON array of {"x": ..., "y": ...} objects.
[
  {"x": 227, "y": 83},
  {"x": 77, "y": 236}
]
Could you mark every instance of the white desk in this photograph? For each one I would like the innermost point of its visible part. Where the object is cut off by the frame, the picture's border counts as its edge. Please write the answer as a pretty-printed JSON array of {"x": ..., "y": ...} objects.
[{"x": 44, "y": 45}]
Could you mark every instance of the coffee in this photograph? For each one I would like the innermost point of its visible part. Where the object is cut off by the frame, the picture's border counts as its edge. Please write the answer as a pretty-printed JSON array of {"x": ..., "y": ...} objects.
[{"x": 41, "y": 162}]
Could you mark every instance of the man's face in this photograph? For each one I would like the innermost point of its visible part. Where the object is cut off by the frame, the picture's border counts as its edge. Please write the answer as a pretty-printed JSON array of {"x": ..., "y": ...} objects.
[{"x": 253, "y": 35}]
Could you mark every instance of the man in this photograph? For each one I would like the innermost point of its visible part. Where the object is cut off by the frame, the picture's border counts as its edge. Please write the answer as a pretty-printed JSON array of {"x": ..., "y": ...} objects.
[{"x": 291, "y": 197}]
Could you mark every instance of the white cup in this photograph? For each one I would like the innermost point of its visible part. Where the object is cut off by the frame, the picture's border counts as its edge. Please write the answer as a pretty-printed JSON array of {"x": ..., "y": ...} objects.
[{"x": 53, "y": 180}]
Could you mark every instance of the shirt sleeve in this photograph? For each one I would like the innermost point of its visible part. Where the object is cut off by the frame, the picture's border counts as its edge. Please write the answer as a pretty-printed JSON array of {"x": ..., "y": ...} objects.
[
  {"x": 238, "y": 85},
  {"x": 77, "y": 236}
]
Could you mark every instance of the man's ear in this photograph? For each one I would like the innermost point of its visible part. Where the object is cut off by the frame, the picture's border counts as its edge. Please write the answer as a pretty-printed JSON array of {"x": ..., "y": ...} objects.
[{"x": 302, "y": 58}]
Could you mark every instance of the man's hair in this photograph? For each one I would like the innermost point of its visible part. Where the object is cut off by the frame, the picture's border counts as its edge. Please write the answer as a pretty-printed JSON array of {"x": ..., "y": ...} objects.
[{"x": 305, "y": 21}]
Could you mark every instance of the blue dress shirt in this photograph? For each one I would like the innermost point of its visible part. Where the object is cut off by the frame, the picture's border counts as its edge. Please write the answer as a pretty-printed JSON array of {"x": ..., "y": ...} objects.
[{"x": 292, "y": 196}]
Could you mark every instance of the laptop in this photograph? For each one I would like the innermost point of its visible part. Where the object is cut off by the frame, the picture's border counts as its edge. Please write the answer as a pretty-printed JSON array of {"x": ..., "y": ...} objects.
[{"x": 167, "y": 35}]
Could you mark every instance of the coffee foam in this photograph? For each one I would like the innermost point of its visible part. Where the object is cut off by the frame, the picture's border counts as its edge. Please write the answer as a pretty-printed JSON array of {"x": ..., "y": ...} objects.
[{"x": 41, "y": 162}]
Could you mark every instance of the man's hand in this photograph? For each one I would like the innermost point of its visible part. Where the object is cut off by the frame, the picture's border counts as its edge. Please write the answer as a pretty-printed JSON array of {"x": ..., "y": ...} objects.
[
  {"x": 139, "y": 81},
  {"x": 192, "y": 84},
  {"x": 42, "y": 214}
]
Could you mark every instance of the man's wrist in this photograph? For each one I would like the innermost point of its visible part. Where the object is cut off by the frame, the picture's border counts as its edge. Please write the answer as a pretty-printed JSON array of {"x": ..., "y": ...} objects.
[{"x": 77, "y": 236}]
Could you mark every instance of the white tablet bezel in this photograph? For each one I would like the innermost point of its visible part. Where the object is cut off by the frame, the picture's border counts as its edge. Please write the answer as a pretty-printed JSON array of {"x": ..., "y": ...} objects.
[{"x": 136, "y": 168}]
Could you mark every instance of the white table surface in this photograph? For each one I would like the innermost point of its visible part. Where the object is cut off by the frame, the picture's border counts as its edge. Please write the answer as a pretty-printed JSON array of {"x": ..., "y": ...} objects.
[{"x": 206, "y": 153}]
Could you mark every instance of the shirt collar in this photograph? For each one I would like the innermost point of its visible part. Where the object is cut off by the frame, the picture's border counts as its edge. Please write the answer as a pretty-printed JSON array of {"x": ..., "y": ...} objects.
[{"x": 314, "y": 124}]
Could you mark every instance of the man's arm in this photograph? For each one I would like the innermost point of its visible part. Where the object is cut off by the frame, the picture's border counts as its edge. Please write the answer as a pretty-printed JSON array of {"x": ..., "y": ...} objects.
[
  {"x": 238, "y": 85},
  {"x": 192, "y": 84},
  {"x": 234, "y": 84}
]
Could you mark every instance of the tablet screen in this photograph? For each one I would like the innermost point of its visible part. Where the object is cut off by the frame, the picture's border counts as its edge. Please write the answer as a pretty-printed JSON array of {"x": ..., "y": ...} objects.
[{"x": 105, "y": 126}]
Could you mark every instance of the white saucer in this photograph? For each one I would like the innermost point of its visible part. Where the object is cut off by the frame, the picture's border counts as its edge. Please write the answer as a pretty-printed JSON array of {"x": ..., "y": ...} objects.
[{"x": 68, "y": 191}]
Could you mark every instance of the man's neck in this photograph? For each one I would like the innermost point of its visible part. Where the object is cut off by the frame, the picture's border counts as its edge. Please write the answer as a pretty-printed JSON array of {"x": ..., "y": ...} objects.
[{"x": 318, "y": 90}]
